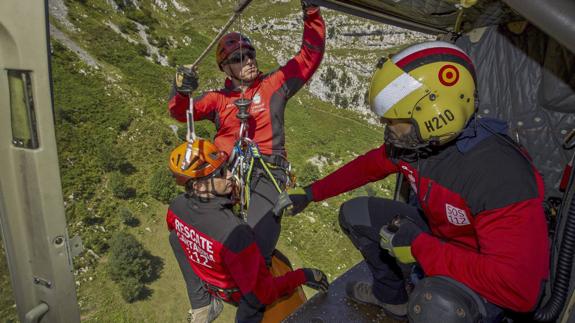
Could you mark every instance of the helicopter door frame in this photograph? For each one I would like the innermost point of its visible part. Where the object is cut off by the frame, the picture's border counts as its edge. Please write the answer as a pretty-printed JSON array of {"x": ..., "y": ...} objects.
[{"x": 32, "y": 218}]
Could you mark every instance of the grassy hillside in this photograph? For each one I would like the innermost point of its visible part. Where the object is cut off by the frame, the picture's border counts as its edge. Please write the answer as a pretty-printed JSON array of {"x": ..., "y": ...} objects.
[
  {"x": 112, "y": 127},
  {"x": 7, "y": 306}
]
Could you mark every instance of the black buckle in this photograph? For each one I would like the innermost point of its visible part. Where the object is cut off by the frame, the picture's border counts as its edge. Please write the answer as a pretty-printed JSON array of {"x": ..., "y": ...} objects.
[{"x": 224, "y": 294}]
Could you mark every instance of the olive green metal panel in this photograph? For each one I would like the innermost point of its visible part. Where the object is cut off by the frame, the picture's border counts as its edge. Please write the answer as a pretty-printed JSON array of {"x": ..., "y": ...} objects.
[{"x": 31, "y": 205}]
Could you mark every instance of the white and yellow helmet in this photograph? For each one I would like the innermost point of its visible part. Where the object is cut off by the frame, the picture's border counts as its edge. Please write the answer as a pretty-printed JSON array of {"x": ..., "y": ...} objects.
[{"x": 430, "y": 84}]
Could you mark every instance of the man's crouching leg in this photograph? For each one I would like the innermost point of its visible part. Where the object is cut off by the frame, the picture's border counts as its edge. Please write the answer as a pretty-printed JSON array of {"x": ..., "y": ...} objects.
[
  {"x": 207, "y": 313},
  {"x": 443, "y": 299}
]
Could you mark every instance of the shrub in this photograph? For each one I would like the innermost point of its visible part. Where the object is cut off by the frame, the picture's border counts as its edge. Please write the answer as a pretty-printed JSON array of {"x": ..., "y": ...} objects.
[
  {"x": 131, "y": 289},
  {"x": 142, "y": 49},
  {"x": 118, "y": 186},
  {"x": 330, "y": 32},
  {"x": 110, "y": 159},
  {"x": 128, "y": 217},
  {"x": 97, "y": 243},
  {"x": 129, "y": 265},
  {"x": 143, "y": 16},
  {"x": 162, "y": 185},
  {"x": 330, "y": 75},
  {"x": 308, "y": 174},
  {"x": 343, "y": 102},
  {"x": 128, "y": 26},
  {"x": 128, "y": 259}
]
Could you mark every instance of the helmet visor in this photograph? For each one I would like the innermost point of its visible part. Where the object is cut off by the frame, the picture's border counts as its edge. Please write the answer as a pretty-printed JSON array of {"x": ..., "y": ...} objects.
[
  {"x": 239, "y": 57},
  {"x": 406, "y": 139}
]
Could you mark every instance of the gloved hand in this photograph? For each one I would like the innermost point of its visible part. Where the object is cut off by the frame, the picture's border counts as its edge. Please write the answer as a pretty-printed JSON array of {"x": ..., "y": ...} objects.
[
  {"x": 307, "y": 6},
  {"x": 316, "y": 279},
  {"x": 300, "y": 198},
  {"x": 186, "y": 80},
  {"x": 397, "y": 236}
]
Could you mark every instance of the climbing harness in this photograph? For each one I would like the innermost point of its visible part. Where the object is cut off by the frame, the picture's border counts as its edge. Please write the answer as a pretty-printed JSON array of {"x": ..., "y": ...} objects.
[{"x": 244, "y": 157}]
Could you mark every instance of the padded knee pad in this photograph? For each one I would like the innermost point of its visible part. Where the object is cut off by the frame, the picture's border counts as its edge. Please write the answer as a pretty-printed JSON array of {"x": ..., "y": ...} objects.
[{"x": 442, "y": 299}]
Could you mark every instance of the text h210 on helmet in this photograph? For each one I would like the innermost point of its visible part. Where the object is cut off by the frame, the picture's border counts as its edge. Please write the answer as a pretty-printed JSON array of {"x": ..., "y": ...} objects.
[
  {"x": 431, "y": 84},
  {"x": 229, "y": 43}
]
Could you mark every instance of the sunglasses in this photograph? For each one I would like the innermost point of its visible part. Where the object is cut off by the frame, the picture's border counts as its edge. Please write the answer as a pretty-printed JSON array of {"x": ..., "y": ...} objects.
[{"x": 240, "y": 57}]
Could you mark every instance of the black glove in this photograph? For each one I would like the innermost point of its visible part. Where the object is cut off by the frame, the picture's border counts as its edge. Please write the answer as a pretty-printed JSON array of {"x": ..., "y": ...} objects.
[
  {"x": 397, "y": 236},
  {"x": 307, "y": 6},
  {"x": 316, "y": 279},
  {"x": 186, "y": 80},
  {"x": 300, "y": 198}
]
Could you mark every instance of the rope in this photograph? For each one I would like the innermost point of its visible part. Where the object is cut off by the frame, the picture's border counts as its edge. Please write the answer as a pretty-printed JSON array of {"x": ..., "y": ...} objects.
[
  {"x": 241, "y": 55},
  {"x": 247, "y": 157}
]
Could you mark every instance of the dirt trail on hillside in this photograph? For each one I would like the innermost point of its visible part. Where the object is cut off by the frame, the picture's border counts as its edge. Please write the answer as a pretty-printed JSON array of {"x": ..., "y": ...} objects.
[{"x": 84, "y": 56}]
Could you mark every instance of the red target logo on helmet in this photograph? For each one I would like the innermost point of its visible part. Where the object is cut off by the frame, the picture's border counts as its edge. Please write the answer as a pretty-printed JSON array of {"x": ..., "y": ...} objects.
[{"x": 448, "y": 75}]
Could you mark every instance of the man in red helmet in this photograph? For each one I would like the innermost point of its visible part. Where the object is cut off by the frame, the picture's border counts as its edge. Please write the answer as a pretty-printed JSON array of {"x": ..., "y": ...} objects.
[
  {"x": 236, "y": 56},
  {"x": 216, "y": 251}
]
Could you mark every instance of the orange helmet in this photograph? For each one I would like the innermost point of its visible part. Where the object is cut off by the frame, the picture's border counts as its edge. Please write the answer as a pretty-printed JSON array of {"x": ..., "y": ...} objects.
[
  {"x": 203, "y": 158},
  {"x": 229, "y": 43}
]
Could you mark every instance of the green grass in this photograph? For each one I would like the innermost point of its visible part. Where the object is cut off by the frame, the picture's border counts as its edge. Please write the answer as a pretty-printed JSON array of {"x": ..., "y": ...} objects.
[{"x": 7, "y": 305}]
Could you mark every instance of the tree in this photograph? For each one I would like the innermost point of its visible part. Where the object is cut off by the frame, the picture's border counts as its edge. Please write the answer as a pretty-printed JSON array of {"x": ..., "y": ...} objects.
[
  {"x": 129, "y": 265},
  {"x": 128, "y": 258},
  {"x": 162, "y": 186}
]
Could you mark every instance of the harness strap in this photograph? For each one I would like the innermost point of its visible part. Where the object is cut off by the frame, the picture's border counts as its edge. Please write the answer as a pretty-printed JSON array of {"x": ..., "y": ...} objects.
[
  {"x": 225, "y": 294},
  {"x": 267, "y": 162}
]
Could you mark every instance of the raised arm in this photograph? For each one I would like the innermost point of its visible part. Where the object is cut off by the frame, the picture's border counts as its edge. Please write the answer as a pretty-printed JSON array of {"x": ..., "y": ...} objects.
[{"x": 298, "y": 70}]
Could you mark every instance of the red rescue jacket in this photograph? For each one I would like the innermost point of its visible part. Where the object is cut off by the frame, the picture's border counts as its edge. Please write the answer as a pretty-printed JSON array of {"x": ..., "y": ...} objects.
[
  {"x": 222, "y": 251},
  {"x": 485, "y": 211},
  {"x": 269, "y": 94}
]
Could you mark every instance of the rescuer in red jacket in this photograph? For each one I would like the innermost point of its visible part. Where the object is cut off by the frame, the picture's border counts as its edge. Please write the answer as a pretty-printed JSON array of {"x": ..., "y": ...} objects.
[
  {"x": 236, "y": 56},
  {"x": 476, "y": 225},
  {"x": 215, "y": 249}
]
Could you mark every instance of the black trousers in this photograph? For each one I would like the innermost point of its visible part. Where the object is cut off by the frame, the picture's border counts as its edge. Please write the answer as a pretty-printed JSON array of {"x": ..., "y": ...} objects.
[
  {"x": 361, "y": 219},
  {"x": 198, "y": 295},
  {"x": 263, "y": 197}
]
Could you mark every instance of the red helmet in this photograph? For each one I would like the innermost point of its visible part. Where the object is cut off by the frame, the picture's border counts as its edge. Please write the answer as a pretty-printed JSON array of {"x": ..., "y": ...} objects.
[{"x": 229, "y": 43}]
